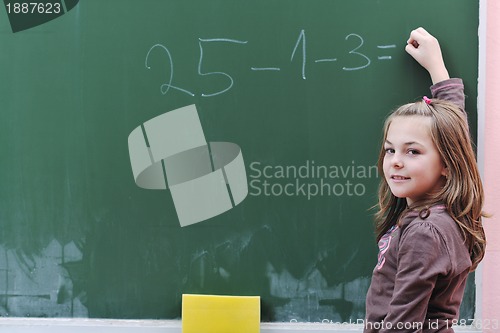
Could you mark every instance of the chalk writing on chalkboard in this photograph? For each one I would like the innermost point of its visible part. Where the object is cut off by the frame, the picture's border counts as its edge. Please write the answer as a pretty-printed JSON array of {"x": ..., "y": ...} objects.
[{"x": 299, "y": 50}]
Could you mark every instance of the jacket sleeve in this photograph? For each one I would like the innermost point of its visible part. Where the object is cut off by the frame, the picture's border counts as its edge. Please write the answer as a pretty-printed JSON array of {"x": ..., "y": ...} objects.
[
  {"x": 422, "y": 257},
  {"x": 451, "y": 90}
]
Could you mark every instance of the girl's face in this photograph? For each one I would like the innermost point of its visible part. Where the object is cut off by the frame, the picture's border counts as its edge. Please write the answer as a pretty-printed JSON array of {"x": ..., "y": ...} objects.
[{"x": 412, "y": 165}]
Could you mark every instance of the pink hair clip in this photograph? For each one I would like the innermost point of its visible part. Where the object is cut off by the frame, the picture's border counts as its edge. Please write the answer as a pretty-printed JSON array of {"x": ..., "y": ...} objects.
[{"x": 427, "y": 100}]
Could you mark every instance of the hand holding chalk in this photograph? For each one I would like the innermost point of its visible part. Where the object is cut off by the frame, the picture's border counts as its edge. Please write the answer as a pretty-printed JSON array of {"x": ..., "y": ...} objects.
[{"x": 425, "y": 49}]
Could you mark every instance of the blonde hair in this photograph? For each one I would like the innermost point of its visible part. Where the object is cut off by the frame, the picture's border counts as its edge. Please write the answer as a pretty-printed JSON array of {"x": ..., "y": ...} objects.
[{"x": 462, "y": 193}]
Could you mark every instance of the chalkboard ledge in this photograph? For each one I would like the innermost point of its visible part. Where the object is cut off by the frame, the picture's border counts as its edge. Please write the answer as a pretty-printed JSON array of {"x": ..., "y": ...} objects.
[{"x": 35, "y": 325}]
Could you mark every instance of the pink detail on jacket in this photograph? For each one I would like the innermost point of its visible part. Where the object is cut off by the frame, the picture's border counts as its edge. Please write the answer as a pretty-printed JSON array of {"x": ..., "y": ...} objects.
[{"x": 383, "y": 245}]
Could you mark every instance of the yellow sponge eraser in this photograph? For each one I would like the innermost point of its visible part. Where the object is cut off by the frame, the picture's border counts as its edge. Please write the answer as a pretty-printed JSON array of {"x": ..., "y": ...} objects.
[{"x": 220, "y": 314}]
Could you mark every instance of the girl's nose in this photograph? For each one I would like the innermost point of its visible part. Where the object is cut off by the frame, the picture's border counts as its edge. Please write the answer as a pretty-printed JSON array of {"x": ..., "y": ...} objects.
[{"x": 396, "y": 161}]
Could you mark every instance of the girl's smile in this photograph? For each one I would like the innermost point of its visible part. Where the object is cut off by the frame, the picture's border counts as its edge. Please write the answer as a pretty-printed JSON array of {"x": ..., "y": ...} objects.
[{"x": 398, "y": 178}]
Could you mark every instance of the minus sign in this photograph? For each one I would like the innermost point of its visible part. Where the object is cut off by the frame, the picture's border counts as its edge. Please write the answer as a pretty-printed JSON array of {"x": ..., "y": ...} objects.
[
  {"x": 385, "y": 58},
  {"x": 326, "y": 60},
  {"x": 265, "y": 68}
]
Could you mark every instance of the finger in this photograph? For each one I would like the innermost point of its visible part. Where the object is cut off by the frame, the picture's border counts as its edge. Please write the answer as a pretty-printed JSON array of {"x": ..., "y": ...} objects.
[
  {"x": 413, "y": 41},
  {"x": 418, "y": 34},
  {"x": 411, "y": 50}
]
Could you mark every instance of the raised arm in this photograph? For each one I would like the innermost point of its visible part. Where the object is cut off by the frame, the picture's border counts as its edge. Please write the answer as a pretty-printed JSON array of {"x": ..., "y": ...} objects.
[{"x": 425, "y": 49}]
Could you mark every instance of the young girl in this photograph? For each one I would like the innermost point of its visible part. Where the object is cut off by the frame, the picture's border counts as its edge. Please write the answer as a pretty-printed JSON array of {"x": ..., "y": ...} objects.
[{"x": 429, "y": 227}]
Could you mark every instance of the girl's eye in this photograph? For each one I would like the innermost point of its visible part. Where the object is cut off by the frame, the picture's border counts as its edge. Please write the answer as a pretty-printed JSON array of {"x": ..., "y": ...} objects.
[
  {"x": 413, "y": 152},
  {"x": 389, "y": 150}
]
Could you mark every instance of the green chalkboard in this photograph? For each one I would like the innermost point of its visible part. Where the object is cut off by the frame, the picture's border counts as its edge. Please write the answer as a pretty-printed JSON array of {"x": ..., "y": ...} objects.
[{"x": 292, "y": 92}]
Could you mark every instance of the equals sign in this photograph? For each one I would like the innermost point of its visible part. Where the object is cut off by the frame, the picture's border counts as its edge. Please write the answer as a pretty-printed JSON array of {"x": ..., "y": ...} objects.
[{"x": 391, "y": 46}]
